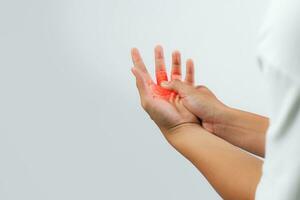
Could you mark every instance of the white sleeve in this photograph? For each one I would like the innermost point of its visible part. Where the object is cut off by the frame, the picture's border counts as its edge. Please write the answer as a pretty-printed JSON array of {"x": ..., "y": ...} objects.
[
  {"x": 279, "y": 56},
  {"x": 281, "y": 169}
]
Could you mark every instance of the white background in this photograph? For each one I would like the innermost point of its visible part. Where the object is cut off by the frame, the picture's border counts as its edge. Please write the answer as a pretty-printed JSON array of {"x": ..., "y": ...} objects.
[{"x": 71, "y": 126}]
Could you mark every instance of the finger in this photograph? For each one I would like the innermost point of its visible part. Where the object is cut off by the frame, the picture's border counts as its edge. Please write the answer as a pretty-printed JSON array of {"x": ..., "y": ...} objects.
[
  {"x": 178, "y": 86},
  {"x": 177, "y": 101},
  {"x": 176, "y": 66},
  {"x": 137, "y": 60},
  {"x": 180, "y": 107},
  {"x": 141, "y": 83},
  {"x": 171, "y": 98},
  {"x": 160, "y": 68},
  {"x": 199, "y": 87},
  {"x": 190, "y": 72},
  {"x": 202, "y": 88}
]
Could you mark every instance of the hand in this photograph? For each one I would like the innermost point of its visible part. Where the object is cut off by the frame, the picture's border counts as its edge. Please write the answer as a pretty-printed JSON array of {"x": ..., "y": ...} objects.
[
  {"x": 164, "y": 106},
  {"x": 208, "y": 153},
  {"x": 201, "y": 102},
  {"x": 240, "y": 128}
]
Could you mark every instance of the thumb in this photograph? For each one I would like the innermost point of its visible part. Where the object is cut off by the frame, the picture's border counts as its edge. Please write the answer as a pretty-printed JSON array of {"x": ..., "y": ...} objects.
[
  {"x": 178, "y": 86},
  {"x": 140, "y": 81}
]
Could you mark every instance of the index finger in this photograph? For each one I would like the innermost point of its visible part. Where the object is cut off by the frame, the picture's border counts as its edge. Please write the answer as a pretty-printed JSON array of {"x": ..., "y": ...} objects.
[{"x": 137, "y": 60}]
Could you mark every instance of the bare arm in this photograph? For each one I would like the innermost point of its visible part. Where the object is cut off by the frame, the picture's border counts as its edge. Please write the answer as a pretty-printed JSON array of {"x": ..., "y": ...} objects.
[
  {"x": 243, "y": 129},
  {"x": 233, "y": 173}
]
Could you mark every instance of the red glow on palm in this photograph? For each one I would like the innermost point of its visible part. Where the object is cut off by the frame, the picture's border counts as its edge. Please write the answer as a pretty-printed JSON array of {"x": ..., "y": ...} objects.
[
  {"x": 159, "y": 91},
  {"x": 149, "y": 86}
]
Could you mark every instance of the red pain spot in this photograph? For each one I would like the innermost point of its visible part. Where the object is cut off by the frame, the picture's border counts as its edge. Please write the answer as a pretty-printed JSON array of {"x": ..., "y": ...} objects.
[
  {"x": 161, "y": 76},
  {"x": 162, "y": 92}
]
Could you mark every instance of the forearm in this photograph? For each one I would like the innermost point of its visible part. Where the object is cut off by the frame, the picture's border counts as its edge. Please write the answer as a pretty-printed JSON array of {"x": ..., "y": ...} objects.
[
  {"x": 233, "y": 173},
  {"x": 243, "y": 129}
]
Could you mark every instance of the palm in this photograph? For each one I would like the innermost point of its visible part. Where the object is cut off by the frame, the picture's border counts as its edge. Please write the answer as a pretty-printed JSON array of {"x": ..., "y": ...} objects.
[{"x": 164, "y": 106}]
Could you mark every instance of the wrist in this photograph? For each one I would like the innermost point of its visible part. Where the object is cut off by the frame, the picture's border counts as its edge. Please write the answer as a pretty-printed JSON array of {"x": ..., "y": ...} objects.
[
  {"x": 179, "y": 134},
  {"x": 225, "y": 119},
  {"x": 231, "y": 116}
]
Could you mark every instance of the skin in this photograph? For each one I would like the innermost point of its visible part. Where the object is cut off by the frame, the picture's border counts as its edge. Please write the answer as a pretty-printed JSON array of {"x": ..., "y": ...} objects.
[
  {"x": 178, "y": 111},
  {"x": 243, "y": 129},
  {"x": 164, "y": 106}
]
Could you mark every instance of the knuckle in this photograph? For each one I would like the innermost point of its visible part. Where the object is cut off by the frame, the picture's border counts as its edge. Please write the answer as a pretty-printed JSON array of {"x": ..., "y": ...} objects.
[{"x": 201, "y": 87}]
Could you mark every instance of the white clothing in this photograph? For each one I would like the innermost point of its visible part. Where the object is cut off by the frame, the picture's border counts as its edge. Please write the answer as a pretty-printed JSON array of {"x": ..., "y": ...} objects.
[{"x": 279, "y": 58}]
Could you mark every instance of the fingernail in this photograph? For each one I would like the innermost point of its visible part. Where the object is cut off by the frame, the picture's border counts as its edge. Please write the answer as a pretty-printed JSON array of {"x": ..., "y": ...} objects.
[{"x": 164, "y": 84}]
